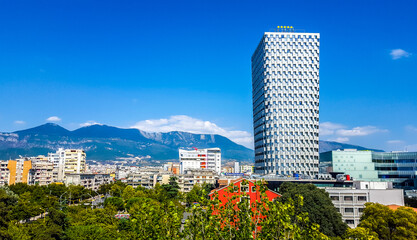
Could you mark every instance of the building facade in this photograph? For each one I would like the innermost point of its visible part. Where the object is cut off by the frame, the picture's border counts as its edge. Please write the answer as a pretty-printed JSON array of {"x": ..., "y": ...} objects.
[
  {"x": 20, "y": 171},
  {"x": 208, "y": 158},
  {"x": 42, "y": 170},
  {"x": 285, "y": 92},
  {"x": 192, "y": 177},
  {"x": 89, "y": 181},
  {"x": 67, "y": 161},
  {"x": 400, "y": 168},
  {"x": 4, "y": 173},
  {"x": 244, "y": 187},
  {"x": 358, "y": 164},
  {"x": 350, "y": 202}
]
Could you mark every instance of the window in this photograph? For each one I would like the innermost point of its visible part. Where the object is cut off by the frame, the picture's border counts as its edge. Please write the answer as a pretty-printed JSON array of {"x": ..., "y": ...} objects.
[
  {"x": 361, "y": 198},
  {"x": 360, "y": 210},
  {"x": 349, "y": 221},
  {"x": 348, "y": 210},
  {"x": 254, "y": 189},
  {"x": 348, "y": 198},
  {"x": 244, "y": 188},
  {"x": 334, "y": 198}
]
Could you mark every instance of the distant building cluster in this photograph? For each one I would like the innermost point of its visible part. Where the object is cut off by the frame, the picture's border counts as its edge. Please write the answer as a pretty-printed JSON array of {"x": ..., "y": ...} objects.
[{"x": 63, "y": 166}]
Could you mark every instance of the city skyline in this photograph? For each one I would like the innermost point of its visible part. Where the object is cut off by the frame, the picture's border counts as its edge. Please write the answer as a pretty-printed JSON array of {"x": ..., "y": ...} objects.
[{"x": 82, "y": 63}]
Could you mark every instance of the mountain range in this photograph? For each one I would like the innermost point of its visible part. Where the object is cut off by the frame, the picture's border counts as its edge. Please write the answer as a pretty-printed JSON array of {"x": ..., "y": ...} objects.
[{"x": 102, "y": 142}]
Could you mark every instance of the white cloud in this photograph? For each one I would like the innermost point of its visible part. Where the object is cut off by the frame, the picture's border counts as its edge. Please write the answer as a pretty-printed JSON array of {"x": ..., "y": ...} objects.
[
  {"x": 395, "y": 142},
  {"x": 340, "y": 133},
  {"x": 329, "y": 128},
  {"x": 399, "y": 53},
  {"x": 53, "y": 119},
  {"x": 89, "y": 123},
  {"x": 340, "y": 139},
  {"x": 359, "y": 131},
  {"x": 411, "y": 128},
  {"x": 194, "y": 125},
  {"x": 19, "y": 122}
]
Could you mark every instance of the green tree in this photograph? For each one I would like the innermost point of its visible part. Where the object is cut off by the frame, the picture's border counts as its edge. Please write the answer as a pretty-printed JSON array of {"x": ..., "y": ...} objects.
[
  {"x": 128, "y": 193},
  {"x": 389, "y": 224},
  {"x": 238, "y": 218},
  {"x": 360, "y": 233},
  {"x": 172, "y": 188},
  {"x": 86, "y": 223},
  {"x": 318, "y": 205},
  {"x": 116, "y": 202},
  {"x": 8, "y": 199},
  {"x": 197, "y": 192}
]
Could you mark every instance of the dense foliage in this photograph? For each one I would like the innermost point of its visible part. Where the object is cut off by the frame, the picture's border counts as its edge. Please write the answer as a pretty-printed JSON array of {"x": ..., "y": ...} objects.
[
  {"x": 380, "y": 222},
  {"x": 61, "y": 212},
  {"x": 317, "y": 204}
]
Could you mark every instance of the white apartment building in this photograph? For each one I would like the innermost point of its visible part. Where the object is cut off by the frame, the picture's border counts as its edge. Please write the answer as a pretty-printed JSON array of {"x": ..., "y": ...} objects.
[
  {"x": 237, "y": 167},
  {"x": 67, "y": 161},
  {"x": 4, "y": 173},
  {"x": 246, "y": 169},
  {"x": 208, "y": 158},
  {"x": 187, "y": 180},
  {"x": 350, "y": 202},
  {"x": 88, "y": 180},
  {"x": 285, "y": 92},
  {"x": 42, "y": 170}
]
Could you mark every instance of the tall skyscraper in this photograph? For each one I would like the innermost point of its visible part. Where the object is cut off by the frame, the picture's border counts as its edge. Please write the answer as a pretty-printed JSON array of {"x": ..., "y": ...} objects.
[{"x": 285, "y": 92}]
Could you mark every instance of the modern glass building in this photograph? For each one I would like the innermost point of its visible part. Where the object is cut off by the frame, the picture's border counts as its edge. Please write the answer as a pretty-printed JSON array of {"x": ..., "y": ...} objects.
[
  {"x": 397, "y": 167},
  {"x": 285, "y": 92},
  {"x": 400, "y": 168}
]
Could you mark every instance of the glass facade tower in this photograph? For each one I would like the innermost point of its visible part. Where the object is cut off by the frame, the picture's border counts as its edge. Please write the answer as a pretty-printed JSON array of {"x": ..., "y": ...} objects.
[{"x": 285, "y": 92}]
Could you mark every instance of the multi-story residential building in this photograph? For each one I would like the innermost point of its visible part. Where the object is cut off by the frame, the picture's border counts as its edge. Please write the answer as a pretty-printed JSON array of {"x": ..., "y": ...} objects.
[
  {"x": 74, "y": 161},
  {"x": 400, "y": 168},
  {"x": 147, "y": 177},
  {"x": 227, "y": 169},
  {"x": 58, "y": 159},
  {"x": 350, "y": 202},
  {"x": 237, "y": 167},
  {"x": 20, "y": 171},
  {"x": 191, "y": 177},
  {"x": 208, "y": 158},
  {"x": 67, "y": 161},
  {"x": 4, "y": 173},
  {"x": 88, "y": 180},
  {"x": 42, "y": 170},
  {"x": 246, "y": 169},
  {"x": 172, "y": 167},
  {"x": 285, "y": 92}
]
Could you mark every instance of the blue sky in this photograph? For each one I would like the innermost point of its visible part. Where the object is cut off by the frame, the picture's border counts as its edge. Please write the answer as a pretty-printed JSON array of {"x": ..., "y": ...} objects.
[{"x": 185, "y": 65}]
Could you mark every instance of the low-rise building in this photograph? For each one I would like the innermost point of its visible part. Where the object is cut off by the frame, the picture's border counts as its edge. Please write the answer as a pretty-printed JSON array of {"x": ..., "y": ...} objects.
[
  {"x": 187, "y": 180},
  {"x": 88, "y": 180},
  {"x": 244, "y": 186},
  {"x": 350, "y": 202},
  {"x": 147, "y": 177}
]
